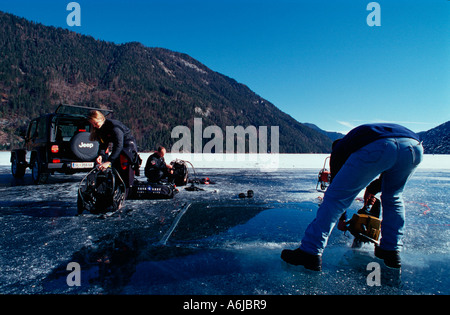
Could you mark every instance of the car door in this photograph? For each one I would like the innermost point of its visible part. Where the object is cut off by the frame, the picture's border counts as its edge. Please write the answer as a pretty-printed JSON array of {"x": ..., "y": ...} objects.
[
  {"x": 37, "y": 136},
  {"x": 30, "y": 138}
]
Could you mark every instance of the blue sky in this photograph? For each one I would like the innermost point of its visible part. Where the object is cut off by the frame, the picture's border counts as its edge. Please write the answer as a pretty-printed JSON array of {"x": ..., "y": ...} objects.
[{"x": 316, "y": 60}]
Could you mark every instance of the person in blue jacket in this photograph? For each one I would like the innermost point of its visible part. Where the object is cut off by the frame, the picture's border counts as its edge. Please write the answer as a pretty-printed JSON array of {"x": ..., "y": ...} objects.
[{"x": 364, "y": 153}]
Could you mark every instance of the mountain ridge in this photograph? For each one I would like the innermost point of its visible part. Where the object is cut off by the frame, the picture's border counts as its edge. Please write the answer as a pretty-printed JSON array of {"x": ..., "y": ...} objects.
[
  {"x": 152, "y": 90},
  {"x": 437, "y": 139}
]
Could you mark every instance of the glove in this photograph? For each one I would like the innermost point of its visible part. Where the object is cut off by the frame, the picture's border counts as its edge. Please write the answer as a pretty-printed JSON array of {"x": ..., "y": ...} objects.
[
  {"x": 342, "y": 223},
  {"x": 369, "y": 199}
]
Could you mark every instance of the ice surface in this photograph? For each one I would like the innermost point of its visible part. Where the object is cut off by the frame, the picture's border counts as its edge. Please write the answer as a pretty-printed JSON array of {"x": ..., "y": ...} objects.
[{"x": 211, "y": 241}]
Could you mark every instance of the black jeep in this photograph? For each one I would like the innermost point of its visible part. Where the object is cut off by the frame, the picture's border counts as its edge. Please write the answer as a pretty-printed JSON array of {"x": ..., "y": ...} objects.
[{"x": 57, "y": 142}]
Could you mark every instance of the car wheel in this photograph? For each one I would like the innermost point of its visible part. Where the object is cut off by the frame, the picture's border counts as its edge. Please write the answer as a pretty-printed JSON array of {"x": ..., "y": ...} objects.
[
  {"x": 38, "y": 176},
  {"x": 17, "y": 169}
]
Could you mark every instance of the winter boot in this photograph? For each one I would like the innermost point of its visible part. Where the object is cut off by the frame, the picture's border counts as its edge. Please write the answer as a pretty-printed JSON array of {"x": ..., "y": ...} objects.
[
  {"x": 391, "y": 257},
  {"x": 299, "y": 257}
]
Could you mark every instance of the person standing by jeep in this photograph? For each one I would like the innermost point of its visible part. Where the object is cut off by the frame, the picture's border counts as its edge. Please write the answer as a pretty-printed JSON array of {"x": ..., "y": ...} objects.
[{"x": 123, "y": 155}]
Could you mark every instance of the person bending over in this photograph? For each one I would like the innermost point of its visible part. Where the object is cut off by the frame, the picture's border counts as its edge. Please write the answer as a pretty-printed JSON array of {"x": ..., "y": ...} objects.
[
  {"x": 364, "y": 153},
  {"x": 123, "y": 155}
]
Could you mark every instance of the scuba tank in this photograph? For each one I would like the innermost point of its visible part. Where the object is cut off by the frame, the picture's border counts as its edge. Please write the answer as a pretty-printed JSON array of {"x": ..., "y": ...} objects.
[{"x": 180, "y": 172}]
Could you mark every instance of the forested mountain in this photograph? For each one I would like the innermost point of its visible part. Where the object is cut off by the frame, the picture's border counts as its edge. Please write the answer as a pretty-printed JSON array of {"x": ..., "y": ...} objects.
[
  {"x": 436, "y": 140},
  {"x": 152, "y": 90}
]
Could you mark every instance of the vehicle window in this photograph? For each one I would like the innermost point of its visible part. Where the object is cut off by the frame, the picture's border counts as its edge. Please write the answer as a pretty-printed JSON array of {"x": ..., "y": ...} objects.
[
  {"x": 66, "y": 128},
  {"x": 32, "y": 130},
  {"x": 41, "y": 129}
]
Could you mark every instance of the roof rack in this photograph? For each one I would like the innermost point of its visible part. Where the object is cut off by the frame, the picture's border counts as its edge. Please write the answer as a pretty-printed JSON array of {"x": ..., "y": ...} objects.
[{"x": 108, "y": 111}]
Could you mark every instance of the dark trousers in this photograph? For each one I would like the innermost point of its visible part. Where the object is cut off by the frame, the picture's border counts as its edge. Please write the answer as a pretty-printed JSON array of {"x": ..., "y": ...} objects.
[
  {"x": 126, "y": 172},
  {"x": 156, "y": 175}
]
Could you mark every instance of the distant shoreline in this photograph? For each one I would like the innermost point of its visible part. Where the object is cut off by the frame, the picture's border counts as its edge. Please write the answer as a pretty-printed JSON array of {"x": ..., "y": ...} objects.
[{"x": 264, "y": 162}]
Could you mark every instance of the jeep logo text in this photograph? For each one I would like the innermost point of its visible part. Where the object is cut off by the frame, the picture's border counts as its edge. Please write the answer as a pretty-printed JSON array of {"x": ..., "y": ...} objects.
[{"x": 85, "y": 145}]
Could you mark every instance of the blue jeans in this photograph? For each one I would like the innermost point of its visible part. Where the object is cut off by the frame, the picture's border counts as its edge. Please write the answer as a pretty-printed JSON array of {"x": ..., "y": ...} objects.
[{"x": 397, "y": 159}]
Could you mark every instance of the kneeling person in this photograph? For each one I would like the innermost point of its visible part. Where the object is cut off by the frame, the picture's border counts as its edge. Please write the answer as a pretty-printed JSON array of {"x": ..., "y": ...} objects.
[{"x": 156, "y": 168}]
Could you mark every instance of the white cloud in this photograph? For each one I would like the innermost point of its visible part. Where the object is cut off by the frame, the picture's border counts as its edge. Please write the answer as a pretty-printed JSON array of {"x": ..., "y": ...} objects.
[{"x": 347, "y": 124}]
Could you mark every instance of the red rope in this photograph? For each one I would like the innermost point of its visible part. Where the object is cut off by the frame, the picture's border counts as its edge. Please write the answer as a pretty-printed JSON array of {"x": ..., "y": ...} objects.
[{"x": 423, "y": 204}]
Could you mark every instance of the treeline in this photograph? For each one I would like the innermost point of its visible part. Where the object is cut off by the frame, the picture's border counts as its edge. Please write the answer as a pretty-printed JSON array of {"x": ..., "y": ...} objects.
[{"x": 150, "y": 89}]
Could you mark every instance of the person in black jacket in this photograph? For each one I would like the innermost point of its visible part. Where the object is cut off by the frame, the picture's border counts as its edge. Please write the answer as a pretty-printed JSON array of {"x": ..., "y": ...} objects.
[
  {"x": 364, "y": 153},
  {"x": 156, "y": 168},
  {"x": 123, "y": 155}
]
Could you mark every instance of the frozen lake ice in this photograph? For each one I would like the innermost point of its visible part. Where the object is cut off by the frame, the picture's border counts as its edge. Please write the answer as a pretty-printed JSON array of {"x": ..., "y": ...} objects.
[{"x": 211, "y": 241}]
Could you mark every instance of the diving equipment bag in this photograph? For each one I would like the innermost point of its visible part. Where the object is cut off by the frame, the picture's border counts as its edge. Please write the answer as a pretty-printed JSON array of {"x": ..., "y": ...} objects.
[
  {"x": 101, "y": 191},
  {"x": 147, "y": 190}
]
